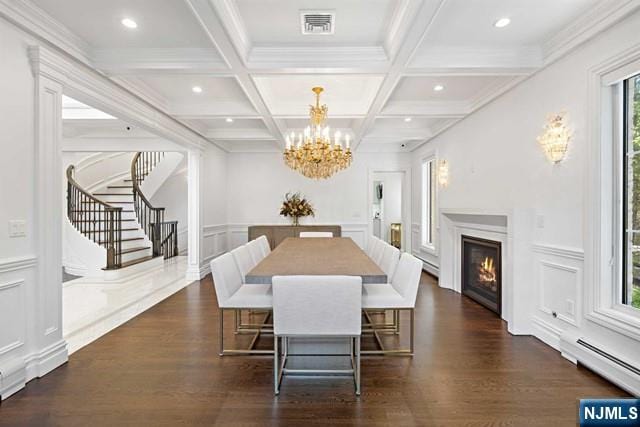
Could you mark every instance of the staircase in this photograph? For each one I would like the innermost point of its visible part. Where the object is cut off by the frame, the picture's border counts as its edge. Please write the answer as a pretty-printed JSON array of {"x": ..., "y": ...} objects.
[{"x": 120, "y": 219}]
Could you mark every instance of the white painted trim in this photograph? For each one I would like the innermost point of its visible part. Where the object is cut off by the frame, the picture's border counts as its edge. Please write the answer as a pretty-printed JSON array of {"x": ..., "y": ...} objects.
[
  {"x": 30, "y": 18},
  {"x": 600, "y": 301},
  {"x": 561, "y": 251},
  {"x": 90, "y": 87},
  {"x": 615, "y": 373},
  {"x": 593, "y": 22},
  {"x": 546, "y": 332},
  {"x": 17, "y": 263},
  {"x": 40, "y": 363}
]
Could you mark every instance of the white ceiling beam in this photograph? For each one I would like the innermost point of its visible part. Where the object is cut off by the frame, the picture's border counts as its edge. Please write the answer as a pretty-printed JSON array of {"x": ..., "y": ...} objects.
[
  {"x": 212, "y": 25},
  {"x": 212, "y": 109},
  {"x": 239, "y": 133},
  {"x": 145, "y": 60},
  {"x": 422, "y": 20},
  {"x": 436, "y": 58},
  {"x": 425, "y": 109},
  {"x": 369, "y": 58}
]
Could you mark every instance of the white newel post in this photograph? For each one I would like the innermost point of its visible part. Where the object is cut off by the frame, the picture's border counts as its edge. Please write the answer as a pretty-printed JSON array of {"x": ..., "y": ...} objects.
[
  {"x": 195, "y": 257},
  {"x": 48, "y": 349}
]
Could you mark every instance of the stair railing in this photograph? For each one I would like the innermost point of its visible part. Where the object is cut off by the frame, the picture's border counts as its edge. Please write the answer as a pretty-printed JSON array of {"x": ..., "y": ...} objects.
[
  {"x": 165, "y": 239},
  {"x": 97, "y": 220},
  {"x": 163, "y": 235}
]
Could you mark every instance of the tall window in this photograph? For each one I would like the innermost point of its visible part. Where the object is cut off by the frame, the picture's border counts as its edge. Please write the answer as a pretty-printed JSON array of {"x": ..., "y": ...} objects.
[
  {"x": 428, "y": 201},
  {"x": 631, "y": 193}
]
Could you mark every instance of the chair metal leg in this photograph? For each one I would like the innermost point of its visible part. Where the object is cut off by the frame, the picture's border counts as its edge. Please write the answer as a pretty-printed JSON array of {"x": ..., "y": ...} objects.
[
  {"x": 276, "y": 363},
  {"x": 221, "y": 333},
  {"x": 412, "y": 330},
  {"x": 357, "y": 367}
]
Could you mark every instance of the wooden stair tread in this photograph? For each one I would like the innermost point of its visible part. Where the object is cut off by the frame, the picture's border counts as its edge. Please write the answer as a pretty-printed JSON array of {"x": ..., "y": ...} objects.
[
  {"x": 101, "y": 220},
  {"x": 129, "y": 239},
  {"x": 119, "y": 186},
  {"x": 113, "y": 194},
  {"x": 131, "y": 250},
  {"x": 136, "y": 261}
]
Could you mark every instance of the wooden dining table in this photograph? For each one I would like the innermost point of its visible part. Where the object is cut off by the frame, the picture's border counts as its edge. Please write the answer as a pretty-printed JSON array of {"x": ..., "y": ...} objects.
[{"x": 317, "y": 256}]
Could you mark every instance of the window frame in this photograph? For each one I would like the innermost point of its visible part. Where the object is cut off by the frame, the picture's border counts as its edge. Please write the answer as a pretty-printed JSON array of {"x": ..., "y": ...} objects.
[
  {"x": 429, "y": 203},
  {"x": 604, "y": 193},
  {"x": 625, "y": 104}
]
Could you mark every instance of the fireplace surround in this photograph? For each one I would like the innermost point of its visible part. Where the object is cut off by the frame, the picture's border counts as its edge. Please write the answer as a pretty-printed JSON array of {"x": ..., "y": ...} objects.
[{"x": 481, "y": 262}]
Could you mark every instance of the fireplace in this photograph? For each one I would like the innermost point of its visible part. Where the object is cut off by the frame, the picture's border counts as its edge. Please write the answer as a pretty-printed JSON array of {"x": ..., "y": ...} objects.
[{"x": 482, "y": 272}]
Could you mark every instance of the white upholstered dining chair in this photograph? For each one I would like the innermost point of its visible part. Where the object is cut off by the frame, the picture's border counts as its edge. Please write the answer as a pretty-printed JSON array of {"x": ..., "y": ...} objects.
[
  {"x": 304, "y": 234},
  {"x": 243, "y": 259},
  {"x": 264, "y": 244},
  {"x": 390, "y": 258},
  {"x": 316, "y": 306},
  {"x": 371, "y": 245},
  {"x": 256, "y": 252},
  {"x": 233, "y": 294},
  {"x": 378, "y": 251},
  {"x": 400, "y": 295}
]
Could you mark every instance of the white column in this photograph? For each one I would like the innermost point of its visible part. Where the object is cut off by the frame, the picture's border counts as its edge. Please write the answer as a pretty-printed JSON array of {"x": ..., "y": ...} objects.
[
  {"x": 47, "y": 349},
  {"x": 194, "y": 163}
]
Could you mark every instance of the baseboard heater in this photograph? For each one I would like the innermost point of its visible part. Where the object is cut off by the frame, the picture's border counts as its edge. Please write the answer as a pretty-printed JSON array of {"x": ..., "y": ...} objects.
[{"x": 610, "y": 357}]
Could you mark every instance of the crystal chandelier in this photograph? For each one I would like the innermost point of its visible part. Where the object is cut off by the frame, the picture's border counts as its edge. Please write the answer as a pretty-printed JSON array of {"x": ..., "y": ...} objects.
[{"x": 312, "y": 153}]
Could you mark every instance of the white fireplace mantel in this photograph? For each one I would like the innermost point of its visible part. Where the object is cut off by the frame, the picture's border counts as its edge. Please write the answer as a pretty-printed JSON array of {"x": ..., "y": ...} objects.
[{"x": 514, "y": 229}]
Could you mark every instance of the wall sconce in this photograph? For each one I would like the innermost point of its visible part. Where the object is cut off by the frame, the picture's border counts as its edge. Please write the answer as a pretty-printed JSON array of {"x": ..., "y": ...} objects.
[
  {"x": 555, "y": 138},
  {"x": 443, "y": 173}
]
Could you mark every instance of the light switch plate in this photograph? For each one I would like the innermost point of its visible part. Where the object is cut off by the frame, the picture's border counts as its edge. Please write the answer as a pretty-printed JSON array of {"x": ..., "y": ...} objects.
[
  {"x": 570, "y": 307},
  {"x": 17, "y": 228}
]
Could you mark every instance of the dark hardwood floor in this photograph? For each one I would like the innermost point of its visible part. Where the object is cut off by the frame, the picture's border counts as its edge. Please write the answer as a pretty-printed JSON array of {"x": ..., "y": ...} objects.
[{"x": 162, "y": 368}]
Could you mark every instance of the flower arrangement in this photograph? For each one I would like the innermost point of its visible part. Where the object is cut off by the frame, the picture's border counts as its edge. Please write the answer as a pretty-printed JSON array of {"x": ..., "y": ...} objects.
[{"x": 296, "y": 206}]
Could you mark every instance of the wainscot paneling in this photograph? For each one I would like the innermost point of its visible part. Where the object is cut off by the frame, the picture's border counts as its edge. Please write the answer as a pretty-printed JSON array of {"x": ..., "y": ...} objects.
[
  {"x": 15, "y": 275},
  {"x": 214, "y": 241},
  {"x": 558, "y": 274}
]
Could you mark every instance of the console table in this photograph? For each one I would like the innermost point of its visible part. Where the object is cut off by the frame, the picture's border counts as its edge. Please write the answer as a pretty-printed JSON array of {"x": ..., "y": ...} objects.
[{"x": 277, "y": 233}]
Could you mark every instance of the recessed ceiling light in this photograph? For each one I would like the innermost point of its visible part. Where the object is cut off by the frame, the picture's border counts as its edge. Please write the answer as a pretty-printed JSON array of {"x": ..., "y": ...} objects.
[
  {"x": 129, "y": 23},
  {"x": 407, "y": 119},
  {"x": 502, "y": 22},
  {"x": 229, "y": 120},
  {"x": 196, "y": 89},
  {"x": 438, "y": 88}
]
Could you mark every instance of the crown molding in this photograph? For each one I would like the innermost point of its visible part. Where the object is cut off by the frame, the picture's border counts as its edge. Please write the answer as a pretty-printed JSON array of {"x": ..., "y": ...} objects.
[
  {"x": 596, "y": 20},
  {"x": 141, "y": 89},
  {"x": 234, "y": 24},
  {"x": 399, "y": 25},
  {"x": 488, "y": 59},
  {"x": 91, "y": 87},
  {"x": 426, "y": 108},
  {"x": 30, "y": 18},
  {"x": 185, "y": 60},
  {"x": 308, "y": 57}
]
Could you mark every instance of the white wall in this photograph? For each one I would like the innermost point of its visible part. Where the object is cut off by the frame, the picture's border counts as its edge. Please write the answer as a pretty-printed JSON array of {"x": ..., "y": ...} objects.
[
  {"x": 23, "y": 337},
  {"x": 496, "y": 163},
  {"x": 172, "y": 195},
  {"x": 257, "y": 183},
  {"x": 214, "y": 204}
]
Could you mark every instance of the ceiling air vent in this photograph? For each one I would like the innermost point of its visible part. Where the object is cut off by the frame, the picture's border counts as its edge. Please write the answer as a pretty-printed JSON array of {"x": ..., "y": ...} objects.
[{"x": 317, "y": 22}]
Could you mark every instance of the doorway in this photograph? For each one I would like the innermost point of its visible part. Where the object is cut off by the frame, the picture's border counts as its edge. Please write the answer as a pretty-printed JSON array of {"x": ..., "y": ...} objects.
[{"x": 387, "y": 210}]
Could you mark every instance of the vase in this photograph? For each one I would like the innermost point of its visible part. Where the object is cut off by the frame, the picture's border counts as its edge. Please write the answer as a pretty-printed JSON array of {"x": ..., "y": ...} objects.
[{"x": 296, "y": 221}]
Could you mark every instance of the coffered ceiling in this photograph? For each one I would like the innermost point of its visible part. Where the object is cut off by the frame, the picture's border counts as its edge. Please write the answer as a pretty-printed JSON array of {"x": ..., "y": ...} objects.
[{"x": 395, "y": 72}]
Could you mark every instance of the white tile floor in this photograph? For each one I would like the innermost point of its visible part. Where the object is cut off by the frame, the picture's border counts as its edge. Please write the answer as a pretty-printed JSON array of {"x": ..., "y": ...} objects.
[{"x": 92, "y": 308}]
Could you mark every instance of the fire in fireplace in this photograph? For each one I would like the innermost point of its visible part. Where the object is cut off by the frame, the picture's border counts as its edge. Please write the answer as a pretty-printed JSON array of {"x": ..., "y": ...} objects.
[{"x": 481, "y": 272}]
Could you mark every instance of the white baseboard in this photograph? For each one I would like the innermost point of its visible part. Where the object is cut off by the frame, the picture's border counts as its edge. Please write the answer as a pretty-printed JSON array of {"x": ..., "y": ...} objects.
[
  {"x": 15, "y": 374},
  {"x": 617, "y": 374},
  {"x": 46, "y": 360},
  {"x": 13, "y": 377},
  {"x": 546, "y": 332}
]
